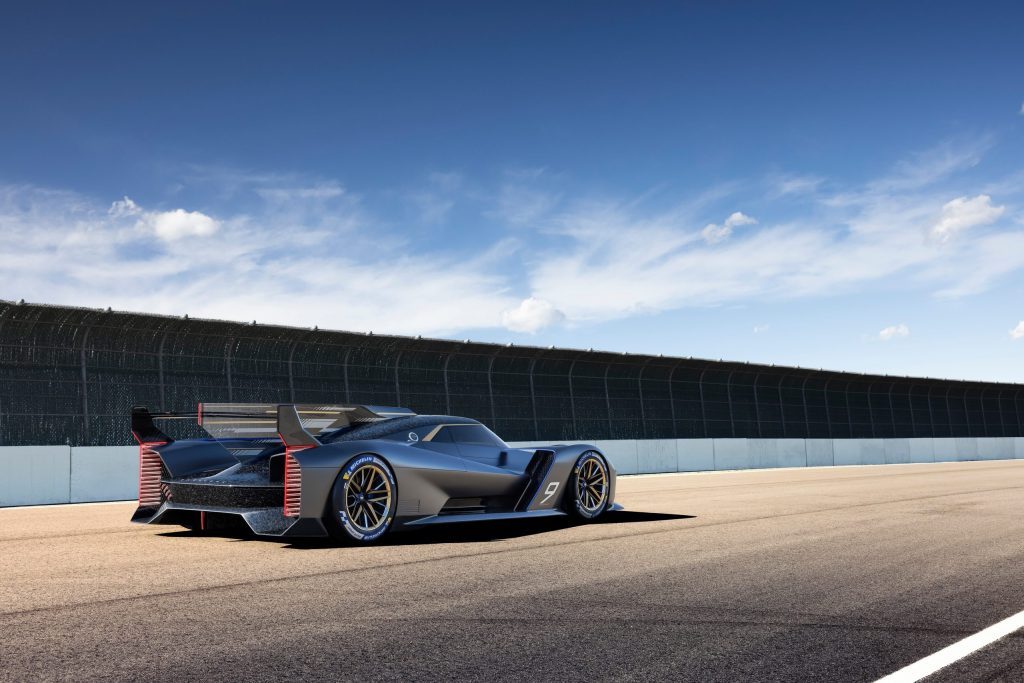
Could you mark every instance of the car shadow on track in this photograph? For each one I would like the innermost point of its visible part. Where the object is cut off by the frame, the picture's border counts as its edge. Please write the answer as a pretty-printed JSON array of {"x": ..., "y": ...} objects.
[
  {"x": 482, "y": 532},
  {"x": 478, "y": 532},
  {"x": 466, "y": 532}
]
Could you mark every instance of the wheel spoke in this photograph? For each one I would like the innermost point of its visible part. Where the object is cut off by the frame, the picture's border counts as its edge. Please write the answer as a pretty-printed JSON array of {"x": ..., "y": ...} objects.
[
  {"x": 592, "y": 484},
  {"x": 368, "y": 497}
]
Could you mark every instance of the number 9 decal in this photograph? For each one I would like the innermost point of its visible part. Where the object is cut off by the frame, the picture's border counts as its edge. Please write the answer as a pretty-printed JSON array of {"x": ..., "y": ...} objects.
[{"x": 549, "y": 491}]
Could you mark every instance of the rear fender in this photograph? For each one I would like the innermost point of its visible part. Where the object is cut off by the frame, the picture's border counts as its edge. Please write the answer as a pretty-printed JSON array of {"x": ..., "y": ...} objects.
[{"x": 425, "y": 479}]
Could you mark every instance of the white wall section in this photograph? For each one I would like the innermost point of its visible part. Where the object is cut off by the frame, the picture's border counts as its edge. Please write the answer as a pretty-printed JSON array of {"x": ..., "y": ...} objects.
[
  {"x": 34, "y": 475},
  {"x": 101, "y": 473},
  {"x": 39, "y": 475}
]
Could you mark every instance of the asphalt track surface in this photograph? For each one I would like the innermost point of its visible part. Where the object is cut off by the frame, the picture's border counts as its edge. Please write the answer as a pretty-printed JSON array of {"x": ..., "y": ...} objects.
[{"x": 818, "y": 574}]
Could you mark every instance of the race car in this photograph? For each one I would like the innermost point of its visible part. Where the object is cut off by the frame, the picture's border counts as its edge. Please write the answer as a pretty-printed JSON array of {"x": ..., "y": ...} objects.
[{"x": 355, "y": 472}]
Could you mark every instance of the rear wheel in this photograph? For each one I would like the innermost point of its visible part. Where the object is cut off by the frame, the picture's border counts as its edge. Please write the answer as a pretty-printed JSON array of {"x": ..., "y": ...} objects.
[
  {"x": 588, "y": 487},
  {"x": 363, "y": 500}
]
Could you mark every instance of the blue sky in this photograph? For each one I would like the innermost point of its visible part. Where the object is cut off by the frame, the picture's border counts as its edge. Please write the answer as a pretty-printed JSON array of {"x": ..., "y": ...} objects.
[{"x": 833, "y": 185}]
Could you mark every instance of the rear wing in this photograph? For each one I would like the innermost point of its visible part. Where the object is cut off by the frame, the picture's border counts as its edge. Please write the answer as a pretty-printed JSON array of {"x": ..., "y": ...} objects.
[{"x": 289, "y": 423}]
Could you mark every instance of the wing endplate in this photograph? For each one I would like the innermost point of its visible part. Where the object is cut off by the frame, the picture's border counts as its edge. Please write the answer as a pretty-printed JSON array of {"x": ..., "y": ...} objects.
[
  {"x": 144, "y": 428},
  {"x": 290, "y": 429}
]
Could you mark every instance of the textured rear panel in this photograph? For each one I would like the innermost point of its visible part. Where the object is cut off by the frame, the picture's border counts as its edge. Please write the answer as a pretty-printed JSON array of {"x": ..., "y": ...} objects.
[
  {"x": 150, "y": 473},
  {"x": 292, "y": 484},
  {"x": 208, "y": 495}
]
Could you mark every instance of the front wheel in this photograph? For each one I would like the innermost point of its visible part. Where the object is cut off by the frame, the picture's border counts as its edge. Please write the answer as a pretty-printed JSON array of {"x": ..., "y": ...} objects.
[
  {"x": 589, "y": 483},
  {"x": 363, "y": 500}
]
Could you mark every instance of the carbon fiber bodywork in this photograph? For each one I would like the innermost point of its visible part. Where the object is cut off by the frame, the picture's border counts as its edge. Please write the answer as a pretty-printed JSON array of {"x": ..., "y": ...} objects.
[{"x": 437, "y": 481}]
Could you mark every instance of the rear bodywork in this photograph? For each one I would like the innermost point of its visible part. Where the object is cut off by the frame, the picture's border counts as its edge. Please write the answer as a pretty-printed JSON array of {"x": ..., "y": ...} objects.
[{"x": 274, "y": 467}]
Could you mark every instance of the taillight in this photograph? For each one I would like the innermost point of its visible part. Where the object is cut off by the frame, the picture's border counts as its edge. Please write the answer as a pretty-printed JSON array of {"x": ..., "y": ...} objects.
[
  {"x": 292, "y": 481},
  {"x": 150, "y": 473}
]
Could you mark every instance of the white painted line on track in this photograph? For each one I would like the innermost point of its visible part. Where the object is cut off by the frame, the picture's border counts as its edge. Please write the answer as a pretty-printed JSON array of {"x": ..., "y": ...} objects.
[{"x": 956, "y": 651}]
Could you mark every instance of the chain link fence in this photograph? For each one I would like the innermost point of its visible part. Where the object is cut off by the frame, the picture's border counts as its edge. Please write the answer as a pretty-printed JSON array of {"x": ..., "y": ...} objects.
[{"x": 71, "y": 376}]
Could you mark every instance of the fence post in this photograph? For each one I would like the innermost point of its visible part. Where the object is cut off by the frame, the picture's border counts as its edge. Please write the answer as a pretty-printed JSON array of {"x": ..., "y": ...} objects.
[
  {"x": 227, "y": 367},
  {"x": 447, "y": 391},
  {"x": 572, "y": 400},
  {"x": 85, "y": 384}
]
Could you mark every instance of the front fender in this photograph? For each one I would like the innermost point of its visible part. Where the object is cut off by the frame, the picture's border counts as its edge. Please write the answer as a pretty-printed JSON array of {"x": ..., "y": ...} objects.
[{"x": 552, "y": 491}]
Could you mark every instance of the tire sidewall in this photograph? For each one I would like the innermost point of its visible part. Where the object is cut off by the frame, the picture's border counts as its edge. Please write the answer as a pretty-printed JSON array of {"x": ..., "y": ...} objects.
[
  {"x": 337, "y": 515},
  {"x": 575, "y": 508}
]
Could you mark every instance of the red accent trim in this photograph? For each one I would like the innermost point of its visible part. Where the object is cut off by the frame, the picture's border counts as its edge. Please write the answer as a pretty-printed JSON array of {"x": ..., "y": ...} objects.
[
  {"x": 200, "y": 414},
  {"x": 202, "y": 520},
  {"x": 292, "y": 481},
  {"x": 151, "y": 493}
]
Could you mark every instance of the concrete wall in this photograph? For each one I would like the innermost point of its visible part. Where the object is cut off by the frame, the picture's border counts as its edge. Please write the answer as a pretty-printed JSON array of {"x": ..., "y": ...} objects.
[
  {"x": 698, "y": 455},
  {"x": 42, "y": 475},
  {"x": 37, "y": 475},
  {"x": 104, "y": 473}
]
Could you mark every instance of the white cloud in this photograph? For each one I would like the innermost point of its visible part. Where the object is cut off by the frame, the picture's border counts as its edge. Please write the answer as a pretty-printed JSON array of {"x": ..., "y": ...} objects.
[
  {"x": 1018, "y": 332},
  {"x": 758, "y": 329},
  {"x": 433, "y": 204},
  {"x": 577, "y": 259},
  {"x": 894, "y": 332},
  {"x": 321, "y": 190},
  {"x": 432, "y": 207},
  {"x": 714, "y": 233},
  {"x": 790, "y": 184},
  {"x": 616, "y": 260},
  {"x": 962, "y": 214},
  {"x": 62, "y": 248},
  {"x": 124, "y": 207},
  {"x": 167, "y": 225},
  {"x": 523, "y": 200},
  {"x": 933, "y": 165},
  {"x": 176, "y": 224},
  {"x": 531, "y": 315},
  {"x": 448, "y": 181}
]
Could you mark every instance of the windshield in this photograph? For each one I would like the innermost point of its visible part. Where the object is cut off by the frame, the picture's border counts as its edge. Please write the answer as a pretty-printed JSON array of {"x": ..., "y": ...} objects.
[
  {"x": 421, "y": 425},
  {"x": 376, "y": 430}
]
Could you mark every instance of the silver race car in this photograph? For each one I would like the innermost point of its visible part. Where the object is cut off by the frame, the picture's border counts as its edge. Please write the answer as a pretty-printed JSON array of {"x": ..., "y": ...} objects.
[{"x": 354, "y": 472}]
